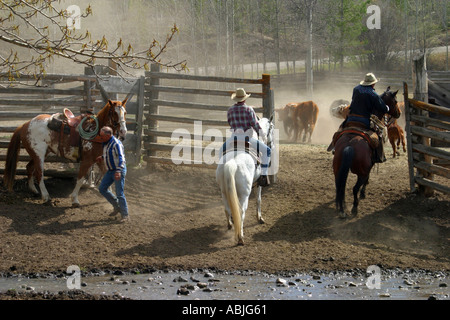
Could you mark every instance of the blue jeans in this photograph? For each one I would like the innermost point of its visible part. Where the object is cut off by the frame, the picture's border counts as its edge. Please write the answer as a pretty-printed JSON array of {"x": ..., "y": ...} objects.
[{"x": 118, "y": 201}]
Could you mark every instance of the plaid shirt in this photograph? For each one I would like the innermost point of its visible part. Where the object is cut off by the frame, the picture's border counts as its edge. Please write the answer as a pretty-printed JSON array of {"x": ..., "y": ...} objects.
[{"x": 241, "y": 116}]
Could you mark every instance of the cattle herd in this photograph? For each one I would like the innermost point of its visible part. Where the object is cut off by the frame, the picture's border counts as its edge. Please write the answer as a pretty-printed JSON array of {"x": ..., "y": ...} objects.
[{"x": 299, "y": 120}]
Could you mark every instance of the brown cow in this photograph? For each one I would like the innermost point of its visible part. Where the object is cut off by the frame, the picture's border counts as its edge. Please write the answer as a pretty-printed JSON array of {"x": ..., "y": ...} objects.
[
  {"x": 304, "y": 115},
  {"x": 396, "y": 135},
  {"x": 288, "y": 123}
]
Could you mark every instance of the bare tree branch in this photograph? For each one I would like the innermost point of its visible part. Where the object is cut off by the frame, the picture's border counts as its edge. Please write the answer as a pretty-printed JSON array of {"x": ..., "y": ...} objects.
[{"x": 35, "y": 32}]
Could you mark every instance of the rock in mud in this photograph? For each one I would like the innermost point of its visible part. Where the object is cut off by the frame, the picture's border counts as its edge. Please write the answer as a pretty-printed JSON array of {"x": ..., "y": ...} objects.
[{"x": 183, "y": 291}]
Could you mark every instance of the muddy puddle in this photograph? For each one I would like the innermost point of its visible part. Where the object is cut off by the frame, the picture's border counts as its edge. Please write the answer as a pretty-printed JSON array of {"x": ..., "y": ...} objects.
[{"x": 249, "y": 286}]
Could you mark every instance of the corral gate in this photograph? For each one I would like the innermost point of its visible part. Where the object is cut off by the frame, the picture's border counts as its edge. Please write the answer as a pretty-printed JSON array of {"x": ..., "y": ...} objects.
[
  {"x": 185, "y": 102},
  {"x": 427, "y": 138},
  {"x": 426, "y": 159}
]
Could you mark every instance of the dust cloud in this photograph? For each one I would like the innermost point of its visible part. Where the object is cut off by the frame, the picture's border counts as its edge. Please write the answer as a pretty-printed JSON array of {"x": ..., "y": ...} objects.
[{"x": 326, "y": 124}]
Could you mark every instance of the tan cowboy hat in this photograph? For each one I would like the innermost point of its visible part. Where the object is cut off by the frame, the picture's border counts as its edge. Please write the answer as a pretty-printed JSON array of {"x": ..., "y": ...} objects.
[
  {"x": 369, "y": 80},
  {"x": 240, "y": 95}
]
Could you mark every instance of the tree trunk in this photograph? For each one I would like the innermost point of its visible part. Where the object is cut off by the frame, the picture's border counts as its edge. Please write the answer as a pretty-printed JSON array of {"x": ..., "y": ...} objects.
[{"x": 309, "y": 64}]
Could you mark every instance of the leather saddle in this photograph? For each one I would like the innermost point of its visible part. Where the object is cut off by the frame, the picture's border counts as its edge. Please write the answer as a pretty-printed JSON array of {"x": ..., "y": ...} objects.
[
  {"x": 370, "y": 136},
  {"x": 66, "y": 123},
  {"x": 71, "y": 119},
  {"x": 247, "y": 148}
]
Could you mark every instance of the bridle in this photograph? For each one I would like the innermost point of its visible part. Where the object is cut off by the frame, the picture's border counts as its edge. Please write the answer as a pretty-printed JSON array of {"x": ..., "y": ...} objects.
[
  {"x": 113, "y": 114},
  {"x": 269, "y": 134}
]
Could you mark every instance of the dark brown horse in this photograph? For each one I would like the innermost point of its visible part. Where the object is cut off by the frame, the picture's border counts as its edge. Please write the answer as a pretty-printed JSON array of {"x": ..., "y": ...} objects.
[
  {"x": 39, "y": 139},
  {"x": 353, "y": 153}
]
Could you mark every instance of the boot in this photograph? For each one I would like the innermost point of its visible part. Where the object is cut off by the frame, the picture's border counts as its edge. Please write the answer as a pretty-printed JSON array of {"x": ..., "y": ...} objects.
[
  {"x": 334, "y": 139},
  {"x": 378, "y": 154},
  {"x": 331, "y": 147},
  {"x": 263, "y": 181}
]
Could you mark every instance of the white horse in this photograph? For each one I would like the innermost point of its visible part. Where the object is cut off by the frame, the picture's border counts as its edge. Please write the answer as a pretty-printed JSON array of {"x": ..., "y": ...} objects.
[{"x": 236, "y": 174}]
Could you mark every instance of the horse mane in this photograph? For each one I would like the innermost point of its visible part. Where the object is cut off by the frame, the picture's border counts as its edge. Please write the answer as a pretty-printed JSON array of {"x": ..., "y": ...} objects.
[{"x": 102, "y": 115}]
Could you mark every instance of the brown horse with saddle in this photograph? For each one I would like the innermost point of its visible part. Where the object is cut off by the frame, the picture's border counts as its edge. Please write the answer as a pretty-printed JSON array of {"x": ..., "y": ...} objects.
[
  {"x": 65, "y": 135},
  {"x": 357, "y": 147}
]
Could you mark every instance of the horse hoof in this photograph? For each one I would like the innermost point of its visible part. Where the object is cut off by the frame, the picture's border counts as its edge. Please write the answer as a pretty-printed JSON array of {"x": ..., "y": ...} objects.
[
  {"x": 342, "y": 215},
  {"x": 354, "y": 212},
  {"x": 261, "y": 221},
  {"x": 240, "y": 242},
  {"x": 48, "y": 203},
  {"x": 75, "y": 205}
]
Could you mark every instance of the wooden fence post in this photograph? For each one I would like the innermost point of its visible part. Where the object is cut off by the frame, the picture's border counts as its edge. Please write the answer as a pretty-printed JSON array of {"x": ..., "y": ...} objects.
[
  {"x": 140, "y": 118},
  {"x": 269, "y": 106},
  {"x": 421, "y": 94},
  {"x": 153, "y": 110},
  {"x": 267, "y": 96},
  {"x": 412, "y": 185}
]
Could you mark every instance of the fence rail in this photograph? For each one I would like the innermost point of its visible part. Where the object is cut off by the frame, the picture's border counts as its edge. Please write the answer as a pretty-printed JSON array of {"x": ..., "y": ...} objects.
[{"x": 345, "y": 78}]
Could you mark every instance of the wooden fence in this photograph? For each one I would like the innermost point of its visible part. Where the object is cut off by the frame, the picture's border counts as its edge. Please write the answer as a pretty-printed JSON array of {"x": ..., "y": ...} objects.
[
  {"x": 192, "y": 104},
  {"x": 158, "y": 104},
  {"x": 325, "y": 79},
  {"x": 426, "y": 161},
  {"x": 80, "y": 93}
]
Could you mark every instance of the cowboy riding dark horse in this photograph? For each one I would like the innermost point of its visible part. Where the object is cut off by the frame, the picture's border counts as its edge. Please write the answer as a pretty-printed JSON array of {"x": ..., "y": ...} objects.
[
  {"x": 357, "y": 144},
  {"x": 365, "y": 103}
]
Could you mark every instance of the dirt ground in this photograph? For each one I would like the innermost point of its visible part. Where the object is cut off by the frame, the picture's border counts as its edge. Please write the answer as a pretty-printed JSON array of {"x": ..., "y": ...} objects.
[{"x": 178, "y": 222}]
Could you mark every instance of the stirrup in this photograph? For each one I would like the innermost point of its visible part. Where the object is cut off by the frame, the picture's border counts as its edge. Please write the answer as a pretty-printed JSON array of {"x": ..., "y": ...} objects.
[
  {"x": 263, "y": 181},
  {"x": 330, "y": 147}
]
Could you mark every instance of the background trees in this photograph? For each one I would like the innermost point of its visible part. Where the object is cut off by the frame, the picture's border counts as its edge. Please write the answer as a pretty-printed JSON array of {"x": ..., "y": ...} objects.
[
  {"x": 221, "y": 37},
  {"x": 225, "y": 35},
  {"x": 36, "y": 33}
]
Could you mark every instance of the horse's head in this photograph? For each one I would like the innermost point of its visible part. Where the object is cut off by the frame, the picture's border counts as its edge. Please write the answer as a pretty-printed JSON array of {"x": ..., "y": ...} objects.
[
  {"x": 390, "y": 98},
  {"x": 114, "y": 115},
  {"x": 267, "y": 132}
]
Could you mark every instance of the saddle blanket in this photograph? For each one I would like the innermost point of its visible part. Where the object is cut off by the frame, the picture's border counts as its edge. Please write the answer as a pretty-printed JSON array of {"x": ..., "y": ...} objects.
[
  {"x": 247, "y": 149},
  {"x": 371, "y": 136}
]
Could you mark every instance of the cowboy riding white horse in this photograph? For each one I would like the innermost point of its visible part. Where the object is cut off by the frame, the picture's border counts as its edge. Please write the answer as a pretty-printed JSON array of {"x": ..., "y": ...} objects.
[{"x": 238, "y": 170}]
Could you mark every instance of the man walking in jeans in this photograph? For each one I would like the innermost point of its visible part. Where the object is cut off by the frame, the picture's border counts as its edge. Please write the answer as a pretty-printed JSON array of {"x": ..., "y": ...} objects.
[{"x": 114, "y": 160}]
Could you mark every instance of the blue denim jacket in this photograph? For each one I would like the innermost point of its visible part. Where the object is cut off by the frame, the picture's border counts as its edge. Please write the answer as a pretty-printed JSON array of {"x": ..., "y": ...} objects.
[{"x": 365, "y": 102}]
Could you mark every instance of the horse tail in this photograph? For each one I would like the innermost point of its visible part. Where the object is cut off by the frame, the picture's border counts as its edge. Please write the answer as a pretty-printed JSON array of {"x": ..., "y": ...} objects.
[
  {"x": 347, "y": 159},
  {"x": 12, "y": 157},
  {"x": 230, "y": 169}
]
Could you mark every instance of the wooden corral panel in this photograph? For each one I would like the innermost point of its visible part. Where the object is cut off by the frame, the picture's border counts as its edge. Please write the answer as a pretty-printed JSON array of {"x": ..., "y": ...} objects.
[
  {"x": 193, "y": 104},
  {"x": 428, "y": 164}
]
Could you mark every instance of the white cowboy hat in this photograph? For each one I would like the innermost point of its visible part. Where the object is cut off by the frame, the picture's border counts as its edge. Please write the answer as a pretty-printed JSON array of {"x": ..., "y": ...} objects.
[
  {"x": 240, "y": 95},
  {"x": 369, "y": 80}
]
